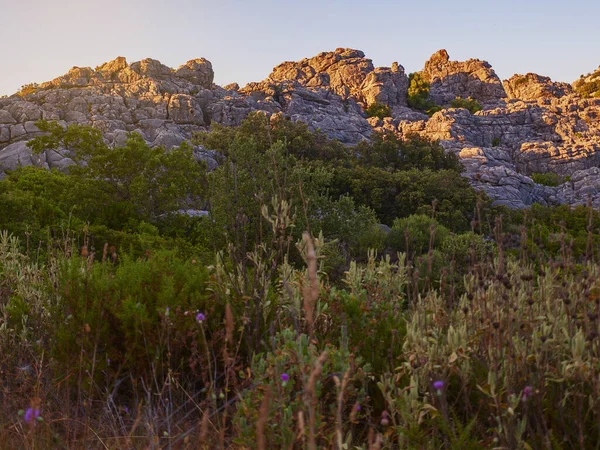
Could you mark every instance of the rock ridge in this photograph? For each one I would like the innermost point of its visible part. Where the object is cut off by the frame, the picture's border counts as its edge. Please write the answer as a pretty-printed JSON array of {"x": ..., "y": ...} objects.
[{"x": 528, "y": 123}]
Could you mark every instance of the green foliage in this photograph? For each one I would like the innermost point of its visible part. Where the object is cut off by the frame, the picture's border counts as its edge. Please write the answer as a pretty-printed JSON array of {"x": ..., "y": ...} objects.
[
  {"x": 124, "y": 308},
  {"x": 387, "y": 151},
  {"x": 28, "y": 89},
  {"x": 379, "y": 110},
  {"x": 496, "y": 142},
  {"x": 263, "y": 131},
  {"x": 589, "y": 88},
  {"x": 296, "y": 357},
  {"x": 521, "y": 80},
  {"x": 99, "y": 302},
  {"x": 132, "y": 181},
  {"x": 402, "y": 193},
  {"x": 547, "y": 178},
  {"x": 469, "y": 103},
  {"x": 417, "y": 234},
  {"x": 418, "y": 94}
]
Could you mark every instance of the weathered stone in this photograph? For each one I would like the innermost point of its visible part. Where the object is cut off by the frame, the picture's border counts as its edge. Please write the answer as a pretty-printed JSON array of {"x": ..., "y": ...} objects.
[
  {"x": 542, "y": 126},
  {"x": 198, "y": 72},
  {"x": 19, "y": 155},
  {"x": 451, "y": 79},
  {"x": 533, "y": 87}
]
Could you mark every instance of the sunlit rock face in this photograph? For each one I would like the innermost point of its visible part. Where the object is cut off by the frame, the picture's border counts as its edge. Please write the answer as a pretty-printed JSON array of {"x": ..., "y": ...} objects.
[
  {"x": 451, "y": 79},
  {"x": 528, "y": 123}
]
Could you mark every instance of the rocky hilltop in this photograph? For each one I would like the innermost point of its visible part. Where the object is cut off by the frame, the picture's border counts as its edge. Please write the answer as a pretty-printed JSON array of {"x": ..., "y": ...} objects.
[{"x": 527, "y": 124}]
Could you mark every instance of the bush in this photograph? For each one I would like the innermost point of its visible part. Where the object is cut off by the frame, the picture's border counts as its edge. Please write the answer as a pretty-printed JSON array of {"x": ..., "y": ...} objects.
[
  {"x": 547, "y": 179},
  {"x": 469, "y": 103},
  {"x": 416, "y": 234},
  {"x": 378, "y": 110},
  {"x": 28, "y": 89},
  {"x": 418, "y": 94},
  {"x": 590, "y": 88}
]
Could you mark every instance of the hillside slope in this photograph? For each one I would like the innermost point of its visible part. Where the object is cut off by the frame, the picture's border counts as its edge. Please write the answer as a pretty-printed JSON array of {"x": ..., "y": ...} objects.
[{"x": 527, "y": 124}]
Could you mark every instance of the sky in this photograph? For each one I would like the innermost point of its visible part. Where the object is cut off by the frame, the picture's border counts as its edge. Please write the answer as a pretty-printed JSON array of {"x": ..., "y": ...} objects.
[{"x": 244, "y": 40}]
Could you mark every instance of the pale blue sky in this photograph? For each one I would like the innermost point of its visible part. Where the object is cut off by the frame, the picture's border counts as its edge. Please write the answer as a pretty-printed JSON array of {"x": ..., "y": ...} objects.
[{"x": 244, "y": 39}]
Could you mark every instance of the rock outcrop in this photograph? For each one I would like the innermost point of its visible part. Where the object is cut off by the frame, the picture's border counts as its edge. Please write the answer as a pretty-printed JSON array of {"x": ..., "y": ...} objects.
[
  {"x": 528, "y": 124},
  {"x": 532, "y": 86},
  {"x": 451, "y": 79}
]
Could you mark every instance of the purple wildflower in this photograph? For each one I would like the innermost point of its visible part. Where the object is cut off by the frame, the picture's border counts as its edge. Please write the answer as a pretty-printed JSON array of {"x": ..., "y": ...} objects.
[
  {"x": 200, "y": 317},
  {"x": 31, "y": 415},
  {"x": 527, "y": 392},
  {"x": 357, "y": 407},
  {"x": 438, "y": 385},
  {"x": 385, "y": 421},
  {"x": 285, "y": 377}
]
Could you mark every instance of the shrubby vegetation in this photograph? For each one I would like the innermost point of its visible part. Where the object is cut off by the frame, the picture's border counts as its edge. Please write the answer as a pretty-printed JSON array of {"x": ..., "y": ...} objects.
[
  {"x": 331, "y": 297},
  {"x": 379, "y": 110},
  {"x": 418, "y": 94},
  {"x": 590, "y": 88},
  {"x": 468, "y": 103},
  {"x": 27, "y": 89},
  {"x": 547, "y": 178}
]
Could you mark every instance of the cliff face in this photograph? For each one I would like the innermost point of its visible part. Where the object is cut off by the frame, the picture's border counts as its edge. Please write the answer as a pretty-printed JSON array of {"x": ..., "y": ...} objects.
[{"x": 527, "y": 124}]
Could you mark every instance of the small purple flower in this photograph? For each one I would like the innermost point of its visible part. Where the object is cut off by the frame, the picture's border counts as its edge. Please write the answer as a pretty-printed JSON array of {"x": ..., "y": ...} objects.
[
  {"x": 285, "y": 377},
  {"x": 438, "y": 385},
  {"x": 357, "y": 407},
  {"x": 108, "y": 361},
  {"x": 527, "y": 392},
  {"x": 31, "y": 415},
  {"x": 167, "y": 311},
  {"x": 200, "y": 317},
  {"x": 385, "y": 421}
]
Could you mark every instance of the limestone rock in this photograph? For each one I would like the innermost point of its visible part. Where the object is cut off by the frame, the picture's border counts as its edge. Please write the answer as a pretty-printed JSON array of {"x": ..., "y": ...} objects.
[
  {"x": 347, "y": 73},
  {"x": 386, "y": 85},
  {"x": 533, "y": 86},
  {"x": 451, "y": 79},
  {"x": 535, "y": 126},
  {"x": 19, "y": 155},
  {"x": 198, "y": 72}
]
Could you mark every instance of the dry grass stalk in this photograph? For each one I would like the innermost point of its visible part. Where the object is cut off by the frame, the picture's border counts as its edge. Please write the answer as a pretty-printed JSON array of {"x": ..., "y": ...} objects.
[
  {"x": 301, "y": 426},
  {"x": 311, "y": 291},
  {"x": 229, "y": 324},
  {"x": 204, "y": 425},
  {"x": 135, "y": 425},
  {"x": 340, "y": 406},
  {"x": 263, "y": 416},
  {"x": 311, "y": 392}
]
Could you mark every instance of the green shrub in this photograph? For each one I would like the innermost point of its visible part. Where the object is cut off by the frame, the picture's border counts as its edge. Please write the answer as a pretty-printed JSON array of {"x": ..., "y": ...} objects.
[
  {"x": 496, "y": 142},
  {"x": 416, "y": 233},
  {"x": 379, "y": 110},
  {"x": 28, "y": 89},
  {"x": 547, "y": 178},
  {"x": 469, "y": 103},
  {"x": 418, "y": 94}
]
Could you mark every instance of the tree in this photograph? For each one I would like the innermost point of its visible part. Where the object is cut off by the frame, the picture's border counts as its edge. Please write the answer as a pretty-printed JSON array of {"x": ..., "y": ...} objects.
[{"x": 133, "y": 181}]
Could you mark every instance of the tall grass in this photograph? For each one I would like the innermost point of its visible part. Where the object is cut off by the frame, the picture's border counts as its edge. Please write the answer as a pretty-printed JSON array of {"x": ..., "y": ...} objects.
[{"x": 253, "y": 351}]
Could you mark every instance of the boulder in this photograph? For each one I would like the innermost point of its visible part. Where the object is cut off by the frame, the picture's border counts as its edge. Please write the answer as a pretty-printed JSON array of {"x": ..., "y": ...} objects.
[{"x": 198, "y": 72}]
